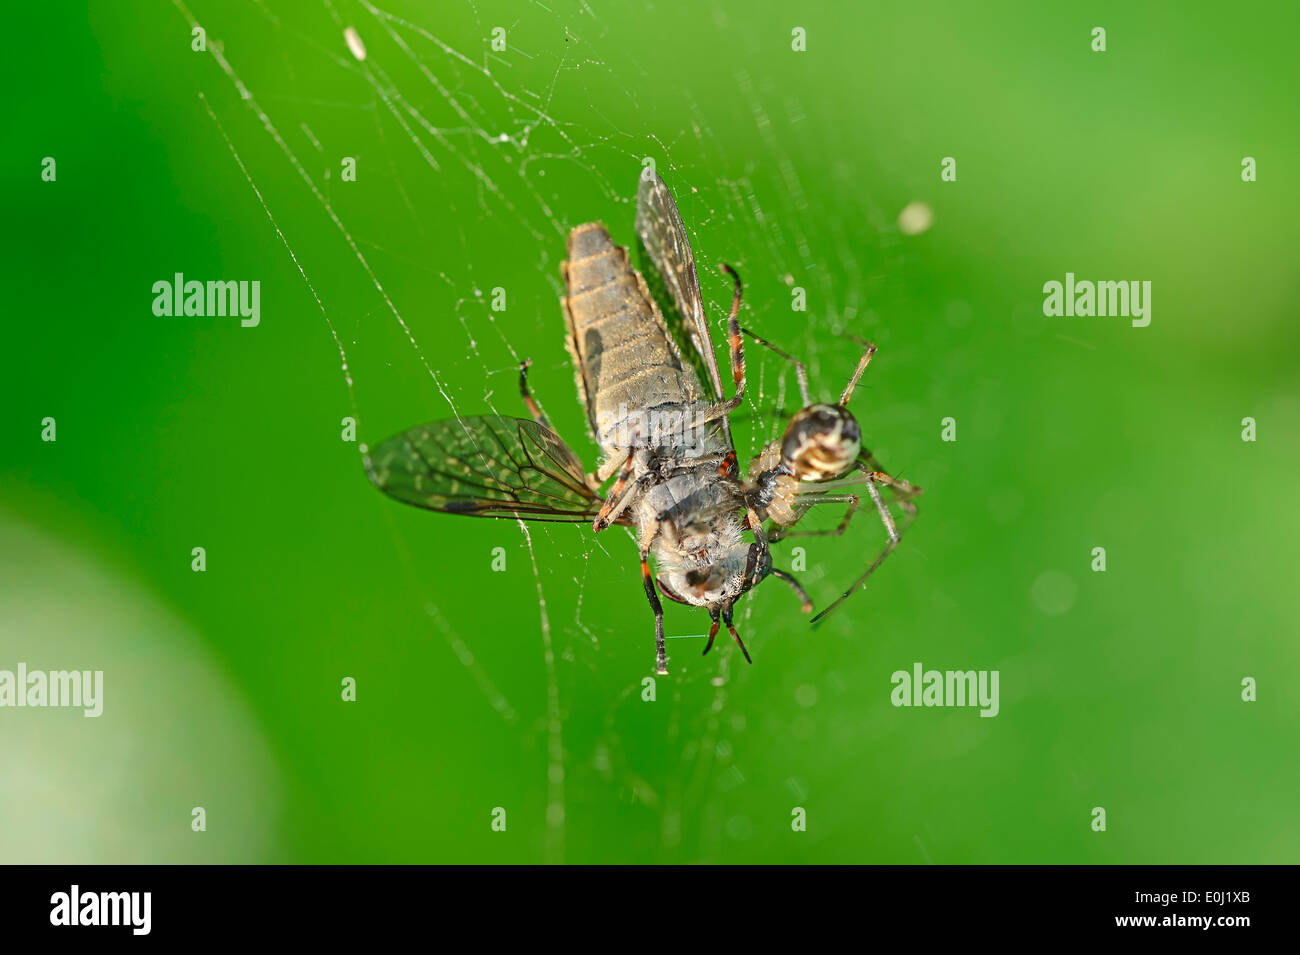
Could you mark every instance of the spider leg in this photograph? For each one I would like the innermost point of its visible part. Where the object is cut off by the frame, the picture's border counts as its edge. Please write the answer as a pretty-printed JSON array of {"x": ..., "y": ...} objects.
[
  {"x": 874, "y": 478},
  {"x": 800, "y": 372},
  {"x": 850, "y": 499},
  {"x": 794, "y": 584}
]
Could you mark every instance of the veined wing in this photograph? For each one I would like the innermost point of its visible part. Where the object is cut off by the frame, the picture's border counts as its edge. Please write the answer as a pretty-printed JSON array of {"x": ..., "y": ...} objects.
[
  {"x": 486, "y": 466},
  {"x": 663, "y": 236}
]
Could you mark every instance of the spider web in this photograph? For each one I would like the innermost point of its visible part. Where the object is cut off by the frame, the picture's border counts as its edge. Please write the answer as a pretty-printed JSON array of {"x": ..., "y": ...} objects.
[{"x": 524, "y": 143}]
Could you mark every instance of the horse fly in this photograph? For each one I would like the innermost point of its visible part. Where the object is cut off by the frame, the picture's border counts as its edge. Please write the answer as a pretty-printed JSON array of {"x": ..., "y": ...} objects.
[{"x": 665, "y": 437}]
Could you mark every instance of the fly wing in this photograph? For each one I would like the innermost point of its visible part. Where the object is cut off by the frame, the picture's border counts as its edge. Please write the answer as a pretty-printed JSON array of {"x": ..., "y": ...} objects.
[
  {"x": 485, "y": 466},
  {"x": 663, "y": 236}
]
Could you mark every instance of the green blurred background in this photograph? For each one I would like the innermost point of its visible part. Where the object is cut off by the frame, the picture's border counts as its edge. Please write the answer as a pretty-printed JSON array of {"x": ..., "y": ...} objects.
[{"x": 522, "y": 689}]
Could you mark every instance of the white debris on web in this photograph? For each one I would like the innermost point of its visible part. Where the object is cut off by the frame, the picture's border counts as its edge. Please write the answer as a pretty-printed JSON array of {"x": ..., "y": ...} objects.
[
  {"x": 474, "y": 130},
  {"x": 353, "y": 39},
  {"x": 915, "y": 218}
]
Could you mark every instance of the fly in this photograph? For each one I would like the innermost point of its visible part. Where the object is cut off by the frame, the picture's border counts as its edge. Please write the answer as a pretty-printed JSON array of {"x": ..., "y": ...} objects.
[{"x": 663, "y": 429}]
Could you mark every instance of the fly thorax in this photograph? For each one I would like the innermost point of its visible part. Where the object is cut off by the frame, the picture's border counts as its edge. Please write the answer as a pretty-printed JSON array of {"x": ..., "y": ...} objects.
[{"x": 704, "y": 541}]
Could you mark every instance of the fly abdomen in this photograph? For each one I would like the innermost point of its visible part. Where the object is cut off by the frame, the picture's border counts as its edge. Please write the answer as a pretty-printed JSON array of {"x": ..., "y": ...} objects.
[{"x": 620, "y": 345}]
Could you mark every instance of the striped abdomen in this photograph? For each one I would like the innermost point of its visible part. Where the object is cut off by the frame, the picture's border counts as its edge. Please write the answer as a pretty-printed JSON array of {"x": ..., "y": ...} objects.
[{"x": 626, "y": 361}]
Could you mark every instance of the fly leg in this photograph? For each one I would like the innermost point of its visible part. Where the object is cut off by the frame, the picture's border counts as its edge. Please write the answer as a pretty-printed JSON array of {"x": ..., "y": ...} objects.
[
  {"x": 620, "y": 495},
  {"x": 857, "y": 373},
  {"x": 713, "y": 632},
  {"x": 726, "y": 619},
  {"x": 721, "y": 409},
  {"x": 533, "y": 408},
  {"x": 602, "y": 474},
  {"x": 737, "y": 345},
  {"x": 661, "y": 654}
]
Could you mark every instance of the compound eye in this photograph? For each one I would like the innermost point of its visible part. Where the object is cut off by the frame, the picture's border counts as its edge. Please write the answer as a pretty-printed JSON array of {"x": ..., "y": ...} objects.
[{"x": 821, "y": 442}]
